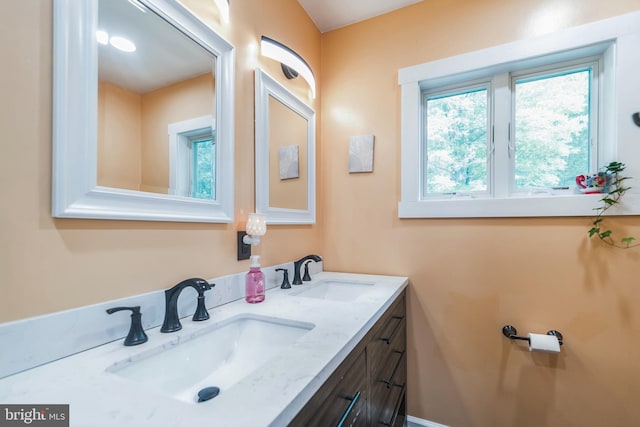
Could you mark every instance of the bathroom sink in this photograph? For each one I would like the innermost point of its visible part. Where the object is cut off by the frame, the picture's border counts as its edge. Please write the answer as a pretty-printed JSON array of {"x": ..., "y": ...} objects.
[
  {"x": 220, "y": 356},
  {"x": 335, "y": 290}
]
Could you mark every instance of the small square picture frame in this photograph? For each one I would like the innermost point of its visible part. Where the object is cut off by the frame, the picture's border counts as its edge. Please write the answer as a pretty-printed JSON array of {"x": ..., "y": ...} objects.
[
  {"x": 289, "y": 167},
  {"x": 361, "y": 154}
]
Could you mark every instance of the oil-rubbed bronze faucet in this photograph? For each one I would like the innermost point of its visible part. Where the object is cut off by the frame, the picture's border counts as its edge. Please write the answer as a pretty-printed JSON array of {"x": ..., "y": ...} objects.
[
  {"x": 296, "y": 268},
  {"x": 171, "y": 321}
]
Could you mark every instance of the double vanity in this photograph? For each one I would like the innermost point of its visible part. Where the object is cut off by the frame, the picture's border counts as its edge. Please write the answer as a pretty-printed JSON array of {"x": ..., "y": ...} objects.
[{"x": 329, "y": 352}]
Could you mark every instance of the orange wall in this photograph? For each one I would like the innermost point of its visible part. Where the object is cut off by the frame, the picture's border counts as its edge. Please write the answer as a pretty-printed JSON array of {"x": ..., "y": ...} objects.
[
  {"x": 470, "y": 277},
  {"x": 181, "y": 101},
  {"x": 119, "y": 134},
  {"x": 49, "y": 264}
]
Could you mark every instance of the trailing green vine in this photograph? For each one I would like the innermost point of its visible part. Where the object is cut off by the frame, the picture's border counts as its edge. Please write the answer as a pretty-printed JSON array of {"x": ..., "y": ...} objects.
[{"x": 616, "y": 190}]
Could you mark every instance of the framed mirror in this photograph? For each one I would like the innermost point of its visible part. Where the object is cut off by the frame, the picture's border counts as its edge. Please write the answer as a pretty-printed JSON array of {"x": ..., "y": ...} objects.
[
  {"x": 143, "y": 113},
  {"x": 285, "y": 154}
]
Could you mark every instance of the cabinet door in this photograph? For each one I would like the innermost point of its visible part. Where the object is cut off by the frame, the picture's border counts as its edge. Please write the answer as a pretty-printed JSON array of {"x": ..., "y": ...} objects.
[{"x": 342, "y": 400}]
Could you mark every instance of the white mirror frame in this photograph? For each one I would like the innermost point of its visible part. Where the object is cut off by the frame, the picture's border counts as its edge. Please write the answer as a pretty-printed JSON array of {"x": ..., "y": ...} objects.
[
  {"x": 267, "y": 86},
  {"x": 75, "y": 105}
]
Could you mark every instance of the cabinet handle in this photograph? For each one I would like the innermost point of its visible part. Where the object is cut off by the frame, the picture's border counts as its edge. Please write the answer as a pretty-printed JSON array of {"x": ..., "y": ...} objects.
[
  {"x": 389, "y": 382},
  {"x": 354, "y": 400},
  {"x": 395, "y": 331},
  {"x": 396, "y": 408}
]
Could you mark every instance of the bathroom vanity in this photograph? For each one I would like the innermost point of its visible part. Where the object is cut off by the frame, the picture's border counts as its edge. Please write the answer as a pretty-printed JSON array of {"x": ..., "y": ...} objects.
[
  {"x": 369, "y": 386},
  {"x": 329, "y": 352}
]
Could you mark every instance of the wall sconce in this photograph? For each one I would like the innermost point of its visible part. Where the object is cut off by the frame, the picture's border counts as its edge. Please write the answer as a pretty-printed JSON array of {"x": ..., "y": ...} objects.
[
  {"x": 256, "y": 227},
  {"x": 223, "y": 7},
  {"x": 292, "y": 63}
]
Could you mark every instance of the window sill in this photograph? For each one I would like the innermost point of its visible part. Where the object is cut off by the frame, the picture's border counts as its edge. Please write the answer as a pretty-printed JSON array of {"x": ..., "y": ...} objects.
[{"x": 530, "y": 206}]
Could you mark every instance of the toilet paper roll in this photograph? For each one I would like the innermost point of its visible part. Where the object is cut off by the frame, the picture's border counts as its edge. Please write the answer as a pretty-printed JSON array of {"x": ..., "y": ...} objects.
[{"x": 546, "y": 343}]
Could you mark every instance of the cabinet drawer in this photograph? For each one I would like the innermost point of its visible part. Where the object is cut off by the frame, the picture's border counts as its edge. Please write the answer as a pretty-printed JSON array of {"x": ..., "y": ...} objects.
[
  {"x": 340, "y": 402},
  {"x": 383, "y": 356},
  {"x": 387, "y": 398},
  {"x": 390, "y": 411},
  {"x": 392, "y": 374},
  {"x": 388, "y": 384},
  {"x": 388, "y": 335},
  {"x": 389, "y": 370},
  {"x": 401, "y": 410}
]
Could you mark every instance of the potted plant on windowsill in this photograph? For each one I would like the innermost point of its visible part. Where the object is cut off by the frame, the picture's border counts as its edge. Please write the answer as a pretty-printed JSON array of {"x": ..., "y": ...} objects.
[{"x": 614, "y": 191}]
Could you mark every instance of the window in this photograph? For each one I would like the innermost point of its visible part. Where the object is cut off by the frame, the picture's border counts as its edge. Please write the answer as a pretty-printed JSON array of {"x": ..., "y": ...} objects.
[
  {"x": 554, "y": 124},
  {"x": 203, "y": 182},
  {"x": 456, "y": 144},
  {"x": 504, "y": 131},
  {"x": 192, "y": 158},
  {"x": 549, "y": 115}
]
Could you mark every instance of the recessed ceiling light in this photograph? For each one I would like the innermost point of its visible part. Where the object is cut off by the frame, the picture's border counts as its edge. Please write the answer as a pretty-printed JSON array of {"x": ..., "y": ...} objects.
[
  {"x": 102, "y": 37},
  {"x": 123, "y": 44}
]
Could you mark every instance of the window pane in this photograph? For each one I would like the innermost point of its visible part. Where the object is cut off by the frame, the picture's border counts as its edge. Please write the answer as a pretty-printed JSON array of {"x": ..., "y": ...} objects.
[
  {"x": 552, "y": 129},
  {"x": 203, "y": 171},
  {"x": 456, "y": 146}
]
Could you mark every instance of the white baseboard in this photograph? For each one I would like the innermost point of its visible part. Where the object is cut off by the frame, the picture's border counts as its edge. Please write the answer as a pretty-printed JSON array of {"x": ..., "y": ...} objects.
[{"x": 419, "y": 422}]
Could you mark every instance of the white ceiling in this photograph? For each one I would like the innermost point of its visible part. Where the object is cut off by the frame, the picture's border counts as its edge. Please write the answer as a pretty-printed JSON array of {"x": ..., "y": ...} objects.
[
  {"x": 164, "y": 55},
  {"x": 332, "y": 14}
]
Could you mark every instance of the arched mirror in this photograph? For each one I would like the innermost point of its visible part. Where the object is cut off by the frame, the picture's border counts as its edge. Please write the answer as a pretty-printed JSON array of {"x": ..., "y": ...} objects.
[
  {"x": 285, "y": 154},
  {"x": 143, "y": 113}
]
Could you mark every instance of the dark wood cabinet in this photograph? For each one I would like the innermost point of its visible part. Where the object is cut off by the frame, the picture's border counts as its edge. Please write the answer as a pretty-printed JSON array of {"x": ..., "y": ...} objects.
[
  {"x": 341, "y": 401},
  {"x": 369, "y": 386},
  {"x": 387, "y": 351}
]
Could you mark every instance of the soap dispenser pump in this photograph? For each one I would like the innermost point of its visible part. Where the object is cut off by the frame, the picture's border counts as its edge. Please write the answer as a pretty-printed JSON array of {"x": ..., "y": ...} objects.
[{"x": 254, "y": 284}]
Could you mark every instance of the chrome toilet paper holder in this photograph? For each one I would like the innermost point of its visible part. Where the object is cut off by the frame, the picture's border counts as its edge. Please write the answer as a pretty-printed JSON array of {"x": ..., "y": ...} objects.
[{"x": 512, "y": 333}]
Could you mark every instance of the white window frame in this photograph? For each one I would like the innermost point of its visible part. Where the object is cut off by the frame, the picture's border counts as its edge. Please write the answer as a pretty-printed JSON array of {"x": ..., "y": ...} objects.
[
  {"x": 181, "y": 154},
  {"x": 616, "y": 39}
]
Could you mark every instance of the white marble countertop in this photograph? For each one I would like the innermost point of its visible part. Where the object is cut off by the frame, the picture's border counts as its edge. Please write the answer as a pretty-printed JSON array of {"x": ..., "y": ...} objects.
[{"x": 270, "y": 396}]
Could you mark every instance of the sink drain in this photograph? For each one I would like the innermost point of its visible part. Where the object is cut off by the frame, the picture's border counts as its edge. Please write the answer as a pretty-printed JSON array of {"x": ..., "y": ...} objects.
[{"x": 207, "y": 393}]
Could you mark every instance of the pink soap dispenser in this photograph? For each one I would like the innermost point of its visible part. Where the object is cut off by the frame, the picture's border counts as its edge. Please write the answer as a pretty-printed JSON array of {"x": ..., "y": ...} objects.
[{"x": 254, "y": 284}]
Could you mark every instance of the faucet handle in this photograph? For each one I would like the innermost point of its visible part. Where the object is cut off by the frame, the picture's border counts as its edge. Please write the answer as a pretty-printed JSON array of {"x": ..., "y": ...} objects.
[
  {"x": 201, "y": 310},
  {"x": 285, "y": 280},
  {"x": 136, "y": 333},
  {"x": 306, "y": 277}
]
